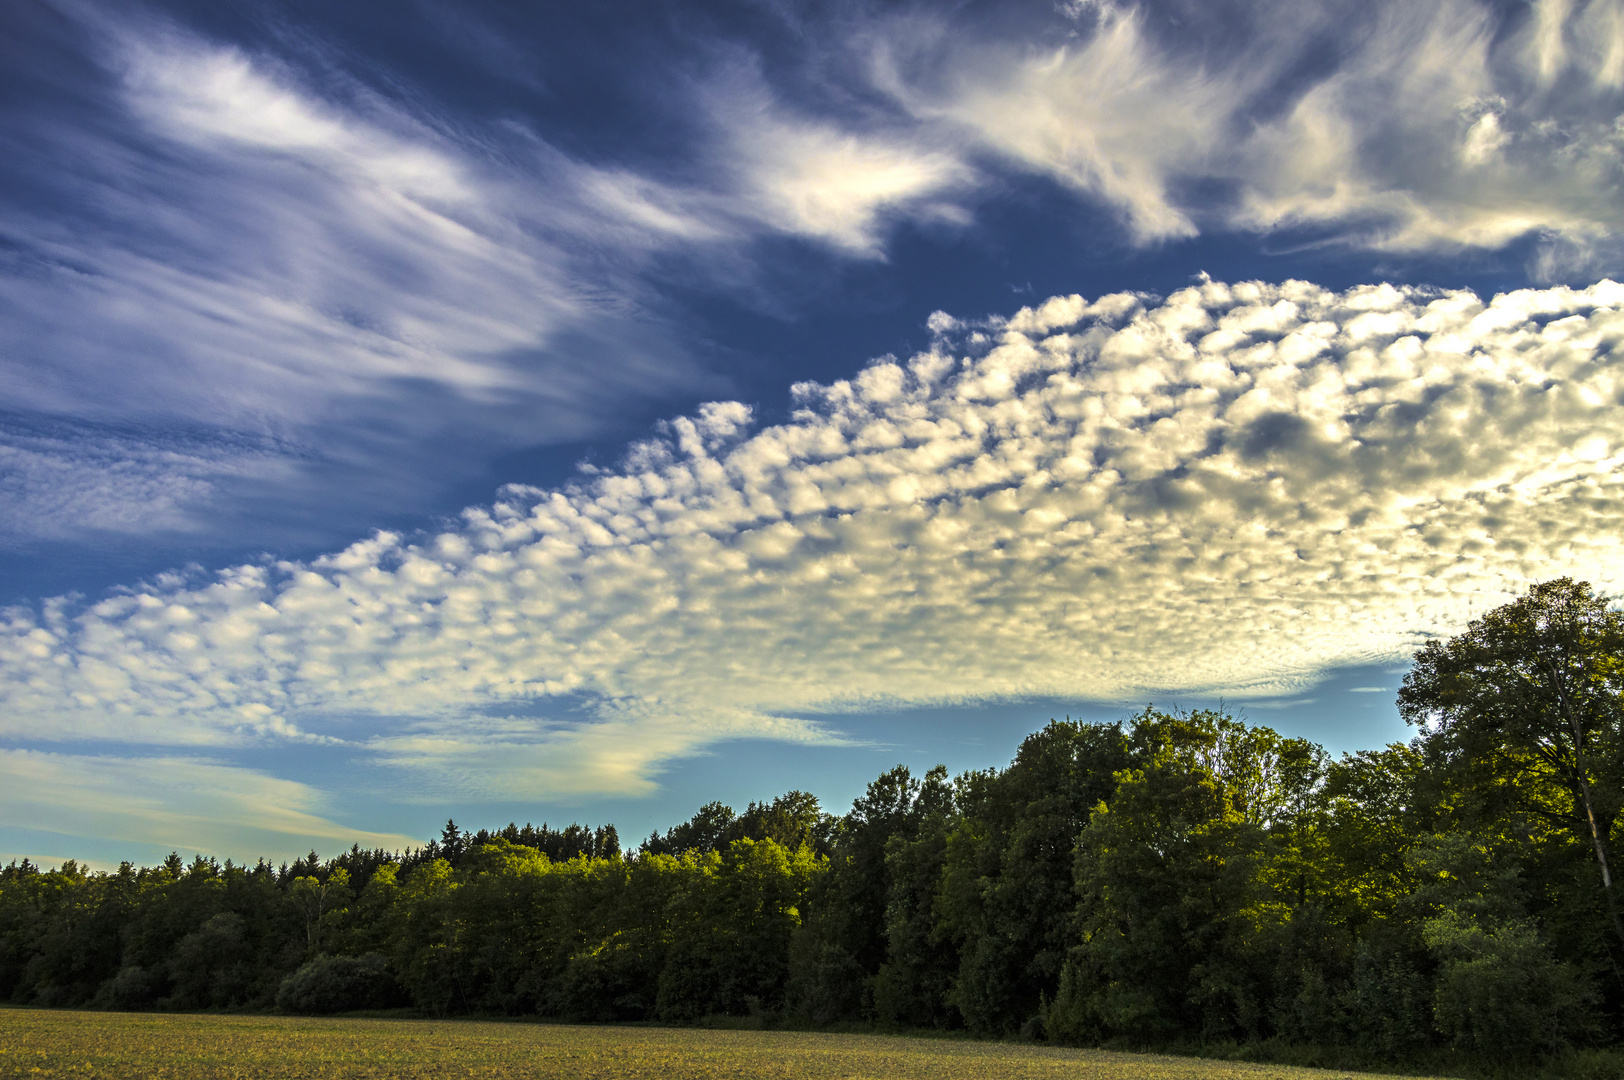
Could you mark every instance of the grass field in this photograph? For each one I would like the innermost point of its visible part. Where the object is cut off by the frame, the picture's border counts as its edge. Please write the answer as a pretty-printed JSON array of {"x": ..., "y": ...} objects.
[{"x": 82, "y": 1044}]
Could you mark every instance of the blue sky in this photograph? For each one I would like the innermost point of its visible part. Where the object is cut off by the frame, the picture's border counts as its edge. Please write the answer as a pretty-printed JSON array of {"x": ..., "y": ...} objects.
[{"x": 583, "y": 412}]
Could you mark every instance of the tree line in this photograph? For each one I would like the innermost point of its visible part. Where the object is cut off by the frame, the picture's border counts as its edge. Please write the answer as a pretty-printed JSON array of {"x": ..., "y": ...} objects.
[{"x": 1173, "y": 879}]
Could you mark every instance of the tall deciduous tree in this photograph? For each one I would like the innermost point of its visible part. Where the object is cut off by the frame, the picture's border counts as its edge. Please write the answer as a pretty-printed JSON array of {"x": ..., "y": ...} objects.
[{"x": 1536, "y": 689}]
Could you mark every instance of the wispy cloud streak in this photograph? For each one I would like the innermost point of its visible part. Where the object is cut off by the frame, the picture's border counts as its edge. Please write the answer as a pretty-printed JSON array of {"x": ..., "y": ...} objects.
[
  {"x": 185, "y": 803},
  {"x": 61, "y": 480},
  {"x": 1395, "y": 127},
  {"x": 265, "y": 244}
]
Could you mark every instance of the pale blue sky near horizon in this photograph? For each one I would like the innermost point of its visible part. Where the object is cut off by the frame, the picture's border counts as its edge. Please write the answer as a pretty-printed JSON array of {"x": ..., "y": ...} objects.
[{"x": 1350, "y": 710}]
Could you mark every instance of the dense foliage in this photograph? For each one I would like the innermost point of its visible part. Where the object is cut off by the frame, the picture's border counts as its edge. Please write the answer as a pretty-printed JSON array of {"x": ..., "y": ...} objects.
[{"x": 1173, "y": 878}]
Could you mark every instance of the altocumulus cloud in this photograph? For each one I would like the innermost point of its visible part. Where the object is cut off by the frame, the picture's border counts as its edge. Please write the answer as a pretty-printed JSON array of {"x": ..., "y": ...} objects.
[
  {"x": 1228, "y": 490},
  {"x": 63, "y": 480}
]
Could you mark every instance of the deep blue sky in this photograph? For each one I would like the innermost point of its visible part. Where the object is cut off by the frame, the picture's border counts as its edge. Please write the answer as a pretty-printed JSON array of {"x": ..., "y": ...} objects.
[{"x": 276, "y": 277}]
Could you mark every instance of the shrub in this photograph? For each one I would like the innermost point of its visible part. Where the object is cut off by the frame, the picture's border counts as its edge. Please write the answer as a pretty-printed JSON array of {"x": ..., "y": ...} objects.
[
  {"x": 615, "y": 981},
  {"x": 212, "y": 966},
  {"x": 1501, "y": 993},
  {"x": 330, "y": 984},
  {"x": 132, "y": 988}
]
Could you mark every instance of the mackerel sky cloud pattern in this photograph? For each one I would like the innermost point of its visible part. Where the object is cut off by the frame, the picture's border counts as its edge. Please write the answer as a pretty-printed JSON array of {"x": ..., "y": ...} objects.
[{"x": 1083, "y": 499}]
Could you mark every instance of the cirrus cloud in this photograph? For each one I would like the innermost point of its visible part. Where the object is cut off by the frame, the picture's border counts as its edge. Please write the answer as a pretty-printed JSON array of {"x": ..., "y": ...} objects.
[
  {"x": 1407, "y": 128},
  {"x": 183, "y": 803},
  {"x": 268, "y": 245}
]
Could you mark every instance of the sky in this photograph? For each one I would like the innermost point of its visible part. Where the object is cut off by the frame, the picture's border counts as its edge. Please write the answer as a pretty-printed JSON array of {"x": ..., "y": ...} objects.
[{"x": 583, "y": 412}]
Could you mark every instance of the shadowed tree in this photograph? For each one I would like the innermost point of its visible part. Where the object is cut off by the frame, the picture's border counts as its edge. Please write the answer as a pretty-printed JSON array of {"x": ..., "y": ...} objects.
[
  {"x": 1533, "y": 691},
  {"x": 707, "y": 830}
]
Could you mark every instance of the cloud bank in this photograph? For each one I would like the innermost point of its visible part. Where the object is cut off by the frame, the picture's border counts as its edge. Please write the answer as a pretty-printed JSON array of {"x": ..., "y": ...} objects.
[{"x": 1231, "y": 489}]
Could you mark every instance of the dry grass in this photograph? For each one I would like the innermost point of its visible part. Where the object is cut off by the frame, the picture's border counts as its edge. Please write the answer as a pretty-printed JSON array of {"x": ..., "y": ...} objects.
[{"x": 79, "y": 1044}]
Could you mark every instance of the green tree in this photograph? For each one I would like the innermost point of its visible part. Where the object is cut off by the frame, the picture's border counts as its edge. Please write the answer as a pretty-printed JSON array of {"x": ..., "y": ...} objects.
[
  {"x": 841, "y": 943},
  {"x": 320, "y": 902},
  {"x": 1498, "y": 989},
  {"x": 1006, "y": 898},
  {"x": 707, "y": 830},
  {"x": 731, "y": 927},
  {"x": 914, "y": 985},
  {"x": 1188, "y": 879},
  {"x": 1534, "y": 692}
]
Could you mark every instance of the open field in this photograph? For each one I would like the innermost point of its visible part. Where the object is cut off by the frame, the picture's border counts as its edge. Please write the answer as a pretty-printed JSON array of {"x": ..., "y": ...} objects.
[{"x": 183, "y": 1047}]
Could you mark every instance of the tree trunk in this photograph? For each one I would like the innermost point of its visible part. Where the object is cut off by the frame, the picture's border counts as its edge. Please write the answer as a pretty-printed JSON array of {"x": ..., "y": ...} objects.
[{"x": 1583, "y": 774}]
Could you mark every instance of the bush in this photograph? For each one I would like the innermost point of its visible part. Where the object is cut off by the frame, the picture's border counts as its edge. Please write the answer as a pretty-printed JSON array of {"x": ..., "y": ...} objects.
[
  {"x": 1502, "y": 994},
  {"x": 826, "y": 983},
  {"x": 331, "y": 984},
  {"x": 615, "y": 981},
  {"x": 213, "y": 965},
  {"x": 1388, "y": 1003},
  {"x": 689, "y": 988},
  {"x": 132, "y": 988}
]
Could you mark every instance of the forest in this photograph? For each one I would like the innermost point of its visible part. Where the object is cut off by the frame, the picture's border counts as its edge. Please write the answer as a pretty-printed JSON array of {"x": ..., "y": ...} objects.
[{"x": 1177, "y": 879}]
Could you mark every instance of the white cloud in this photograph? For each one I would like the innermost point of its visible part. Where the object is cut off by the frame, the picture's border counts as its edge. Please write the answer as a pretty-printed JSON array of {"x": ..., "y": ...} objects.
[
  {"x": 187, "y": 804},
  {"x": 834, "y": 183},
  {"x": 1228, "y": 491},
  {"x": 621, "y": 750},
  {"x": 771, "y": 172},
  {"x": 1420, "y": 142},
  {"x": 64, "y": 481},
  {"x": 274, "y": 256},
  {"x": 1399, "y": 127},
  {"x": 338, "y": 287},
  {"x": 266, "y": 246},
  {"x": 1109, "y": 116}
]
